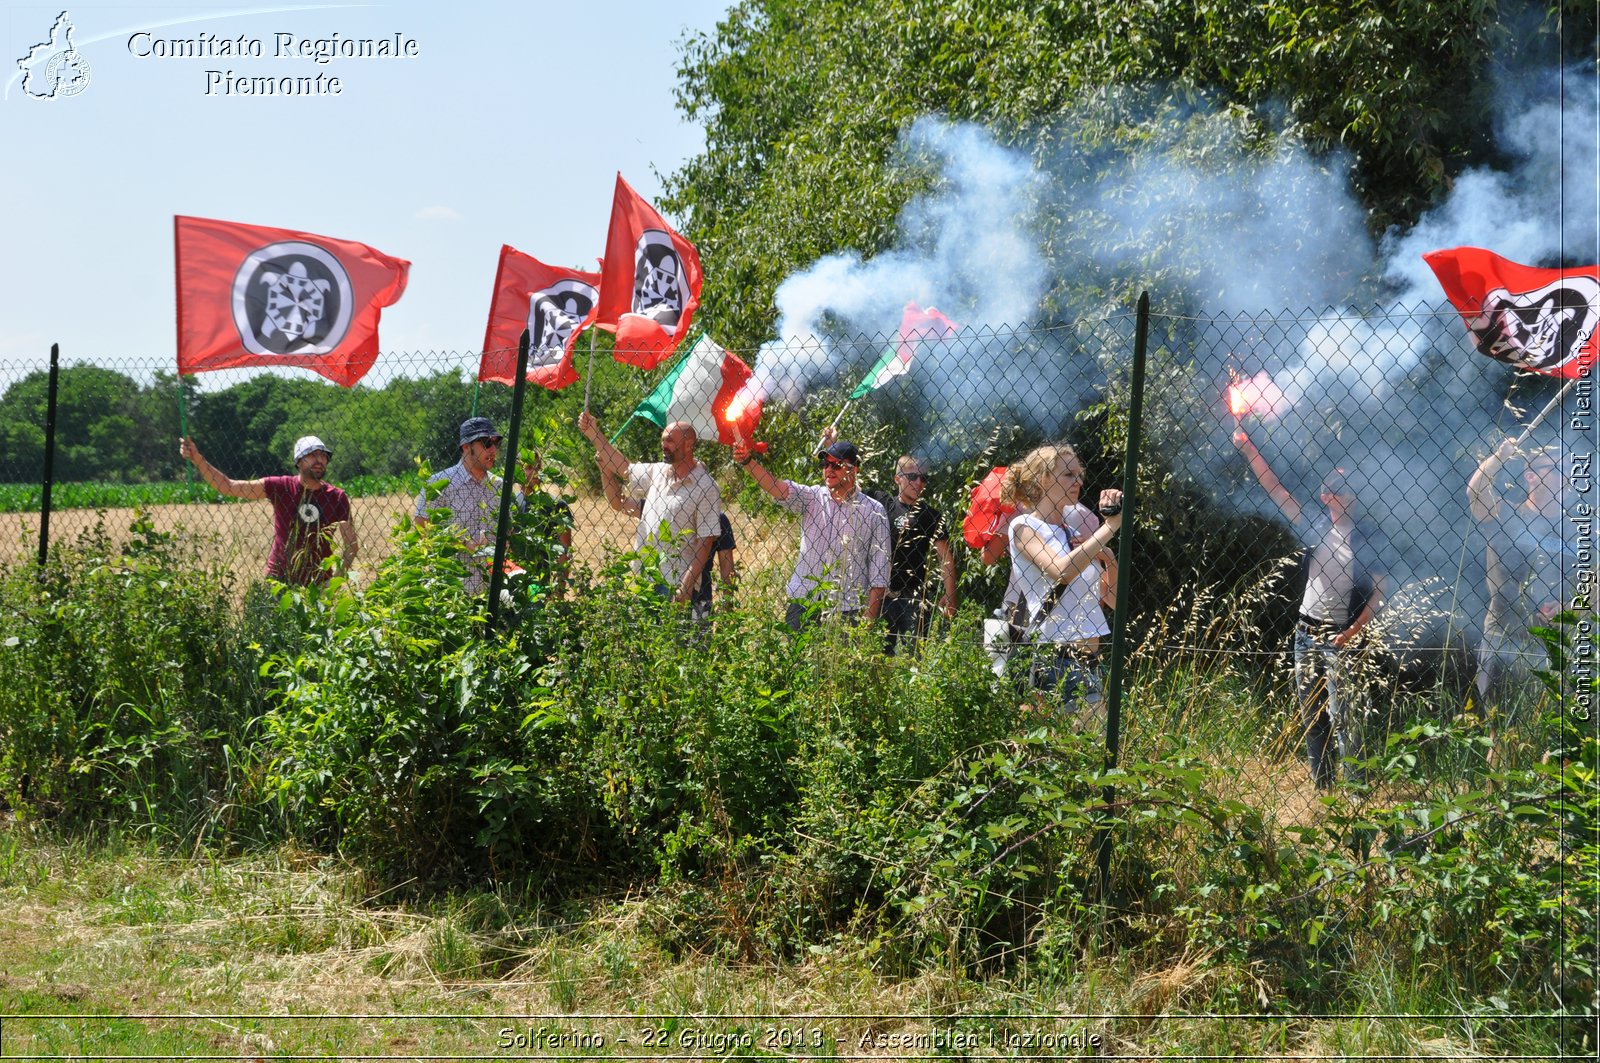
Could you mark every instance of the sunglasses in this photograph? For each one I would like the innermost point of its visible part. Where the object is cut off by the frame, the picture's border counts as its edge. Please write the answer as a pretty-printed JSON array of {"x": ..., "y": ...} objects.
[
  {"x": 920, "y": 477},
  {"x": 829, "y": 463},
  {"x": 493, "y": 443}
]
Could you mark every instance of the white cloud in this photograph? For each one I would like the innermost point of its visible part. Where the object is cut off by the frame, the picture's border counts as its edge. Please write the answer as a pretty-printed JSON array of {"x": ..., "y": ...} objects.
[{"x": 438, "y": 213}]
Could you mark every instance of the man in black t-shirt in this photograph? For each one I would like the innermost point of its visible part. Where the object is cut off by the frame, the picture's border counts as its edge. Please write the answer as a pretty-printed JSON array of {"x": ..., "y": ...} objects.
[
  {"x": 722, "y": 561},
  {"x": 913, "y": 527}
]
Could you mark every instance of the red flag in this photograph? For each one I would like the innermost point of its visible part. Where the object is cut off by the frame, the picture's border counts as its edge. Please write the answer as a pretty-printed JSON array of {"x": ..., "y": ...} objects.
[
  {"x": 553, "y": 304},
  {"x": 249, "y": 295},
  {"x": 649, "y": 282},
  {"x": 919, "y": 324},
  {"x": 1542, "y": 320},
  {"x": 987, "y": 518}
]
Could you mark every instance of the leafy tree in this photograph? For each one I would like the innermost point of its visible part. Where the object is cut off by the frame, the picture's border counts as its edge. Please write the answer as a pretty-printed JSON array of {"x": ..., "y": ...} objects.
[
  {"x": 803, "y": 101},
  {"x": 96, "y": 420}
]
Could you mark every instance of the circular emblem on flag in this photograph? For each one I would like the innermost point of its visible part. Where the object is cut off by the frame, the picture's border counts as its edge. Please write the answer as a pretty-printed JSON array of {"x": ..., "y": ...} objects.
[
  {"x": 309, "y": 513},
  {"x": 1542, "y": 329},
  {"x": 657, "y": 278},
  {"x": 291, "y": 298},
  {"x": 552, "y": 315}
]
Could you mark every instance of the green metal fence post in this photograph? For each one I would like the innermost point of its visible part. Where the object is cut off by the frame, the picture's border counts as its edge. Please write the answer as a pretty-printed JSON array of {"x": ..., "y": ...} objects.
[{"x": 1119, "y": 621}]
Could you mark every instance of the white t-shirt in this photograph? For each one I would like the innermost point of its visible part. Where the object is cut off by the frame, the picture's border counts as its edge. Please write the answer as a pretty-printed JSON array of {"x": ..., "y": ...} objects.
[
  {"x": 1332, "y": 576},
  {"x": 1077, "y": 614},
  {"x": 690, "y": 505}
]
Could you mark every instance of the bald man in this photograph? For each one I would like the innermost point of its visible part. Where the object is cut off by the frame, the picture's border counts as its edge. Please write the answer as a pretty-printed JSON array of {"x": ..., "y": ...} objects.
[{"x": 677, "y": 492}]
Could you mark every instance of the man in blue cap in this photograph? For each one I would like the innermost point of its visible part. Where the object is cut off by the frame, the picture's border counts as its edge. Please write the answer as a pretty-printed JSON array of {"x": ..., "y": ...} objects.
[{"x": 470, "y": 491}]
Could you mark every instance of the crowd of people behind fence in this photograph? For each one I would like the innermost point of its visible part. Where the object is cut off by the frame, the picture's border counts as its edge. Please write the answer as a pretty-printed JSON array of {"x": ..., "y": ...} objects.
[{"x": 864, "y": 559}]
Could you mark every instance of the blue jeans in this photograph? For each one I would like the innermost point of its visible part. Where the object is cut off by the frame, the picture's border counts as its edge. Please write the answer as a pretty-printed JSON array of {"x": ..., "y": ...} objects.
[
  {"x": 1333, "y": 702},
  {"x": 1069, "y": 675}
]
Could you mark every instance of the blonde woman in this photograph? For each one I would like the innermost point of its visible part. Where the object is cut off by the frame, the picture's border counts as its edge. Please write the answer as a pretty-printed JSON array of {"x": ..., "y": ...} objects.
[{"x": 1063, "y": 573}]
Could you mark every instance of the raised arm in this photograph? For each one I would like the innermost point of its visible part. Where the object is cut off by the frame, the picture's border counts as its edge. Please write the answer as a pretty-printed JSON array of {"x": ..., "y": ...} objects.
[
  {"x": 613, "y": 489},
  {"x": 611, "y": 459},
  {"x": 778, "y": 489},
  {"x": 1482, "y": 493},
  {"x": 209, "y": 473},
  {"x": 1064, "y": 567},
  {"x": 1269, "y": 479}
]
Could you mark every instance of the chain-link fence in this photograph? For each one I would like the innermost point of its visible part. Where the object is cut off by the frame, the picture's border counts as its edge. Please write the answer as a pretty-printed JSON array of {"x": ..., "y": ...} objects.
[{"x": 1343, "y": 531}]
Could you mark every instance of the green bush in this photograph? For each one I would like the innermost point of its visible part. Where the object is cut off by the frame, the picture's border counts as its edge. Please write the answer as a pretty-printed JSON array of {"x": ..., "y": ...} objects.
[
  {"x": 128, "y": 687},
  {"x": 409, "y": 733}
]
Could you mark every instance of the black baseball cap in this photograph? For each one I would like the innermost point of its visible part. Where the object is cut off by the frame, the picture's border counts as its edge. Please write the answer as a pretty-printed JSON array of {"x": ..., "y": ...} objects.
[{"x": 842, "y": 451}]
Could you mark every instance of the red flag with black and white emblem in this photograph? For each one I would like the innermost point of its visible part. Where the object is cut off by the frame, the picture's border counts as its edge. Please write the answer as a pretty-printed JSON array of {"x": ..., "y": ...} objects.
[
  {"x": 649, "y": 282},
  {"x": 1541, "y": 320},
  {"x": 554, "y": 304},
  {"x": 250, "y": 295}
]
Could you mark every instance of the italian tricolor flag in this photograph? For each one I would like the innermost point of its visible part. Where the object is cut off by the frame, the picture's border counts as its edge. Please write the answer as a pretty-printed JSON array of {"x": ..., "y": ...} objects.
[
  {"x": 701, "y": 389},
  {"x": 916, "y": 325}
]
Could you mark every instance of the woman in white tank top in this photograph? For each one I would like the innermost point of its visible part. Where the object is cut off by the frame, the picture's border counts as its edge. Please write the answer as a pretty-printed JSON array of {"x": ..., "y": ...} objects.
[{"x": 1061, "y": 544}]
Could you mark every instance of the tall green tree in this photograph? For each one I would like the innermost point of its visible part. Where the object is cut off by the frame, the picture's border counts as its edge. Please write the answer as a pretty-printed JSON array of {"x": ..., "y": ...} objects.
[{"x": 803, "y": 102}]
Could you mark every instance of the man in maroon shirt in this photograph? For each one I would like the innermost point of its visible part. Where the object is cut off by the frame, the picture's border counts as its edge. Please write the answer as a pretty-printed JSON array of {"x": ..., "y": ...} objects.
[{"x": 305, "y": 510}]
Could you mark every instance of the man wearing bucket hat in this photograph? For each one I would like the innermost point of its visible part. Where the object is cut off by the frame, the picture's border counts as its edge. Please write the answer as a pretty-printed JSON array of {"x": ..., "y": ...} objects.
[
  {"x": 305, "y": 511},
  {"x": 844, "y": 535},
  {"x": 470, "y": 491}
]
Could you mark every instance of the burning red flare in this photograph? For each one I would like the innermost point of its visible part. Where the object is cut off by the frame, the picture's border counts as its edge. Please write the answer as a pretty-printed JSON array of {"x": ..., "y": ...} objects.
[
  {"x": 740, "y": 403},
  {"x": 1238, "y": 405},
  {"x": 1254, "y": 395},
  {"x": 745, "y": 409}
]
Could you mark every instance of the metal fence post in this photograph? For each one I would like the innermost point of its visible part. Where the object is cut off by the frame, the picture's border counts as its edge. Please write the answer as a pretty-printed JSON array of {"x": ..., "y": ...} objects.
[
  {"x": 497, "y": 575},
  {"x": 49, "y": 455},
  {"x": 1119, "y": 619}
]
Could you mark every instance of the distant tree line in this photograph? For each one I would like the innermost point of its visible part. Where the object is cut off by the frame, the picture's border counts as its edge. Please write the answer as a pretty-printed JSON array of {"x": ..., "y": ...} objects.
[{"x": 113, "y": 427}]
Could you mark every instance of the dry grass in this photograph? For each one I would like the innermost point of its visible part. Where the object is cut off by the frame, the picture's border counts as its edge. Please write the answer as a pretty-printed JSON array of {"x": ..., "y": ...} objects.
[
  {"x": 290, "y": 952},
  {"x": 237, "y": 535}
]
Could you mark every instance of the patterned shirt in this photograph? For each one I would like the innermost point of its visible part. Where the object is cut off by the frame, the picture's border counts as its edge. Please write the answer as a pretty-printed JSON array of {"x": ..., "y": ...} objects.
[
  {"x": 474, "y": 505},
  {"x": 845, "y": 544},
  {"x": 689, "y": 507}
]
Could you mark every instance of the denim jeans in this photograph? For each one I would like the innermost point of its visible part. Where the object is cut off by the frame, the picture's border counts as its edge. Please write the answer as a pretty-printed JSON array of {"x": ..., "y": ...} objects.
[
  {"x": 1333, "y": 702},
  {"x": 1068, "y": 675}
]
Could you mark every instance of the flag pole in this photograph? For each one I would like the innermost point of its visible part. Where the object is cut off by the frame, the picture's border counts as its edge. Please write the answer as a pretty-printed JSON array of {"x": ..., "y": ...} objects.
[
  {"x": 512, "y": 463},
  {"x": 588, "y": 379},
  {"x": 476, "y": 384},
  {"x": 834, "y": 423},
  {"x": 183, "y": 429},
  {"x": 1549, "y": 408}
]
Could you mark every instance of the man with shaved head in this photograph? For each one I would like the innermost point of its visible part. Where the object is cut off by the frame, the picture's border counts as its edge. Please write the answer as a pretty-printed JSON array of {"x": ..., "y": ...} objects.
[{"x": 681, "y": 502}]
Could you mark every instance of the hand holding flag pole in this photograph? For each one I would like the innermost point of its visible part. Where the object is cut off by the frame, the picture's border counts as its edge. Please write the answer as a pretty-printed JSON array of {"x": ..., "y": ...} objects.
[
  {"x": 1549, "y": 408},
  {"x": 833, "y": 427}
]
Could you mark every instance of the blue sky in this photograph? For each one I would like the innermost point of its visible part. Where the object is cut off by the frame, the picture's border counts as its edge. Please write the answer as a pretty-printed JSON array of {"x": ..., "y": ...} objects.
[{"x": 508, "y": 126}]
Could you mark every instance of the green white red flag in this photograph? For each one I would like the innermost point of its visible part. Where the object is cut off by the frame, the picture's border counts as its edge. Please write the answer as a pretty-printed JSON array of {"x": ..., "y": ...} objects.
[
  {"x": 707, "y": 390},
  {"x": 917, "y": 326}
]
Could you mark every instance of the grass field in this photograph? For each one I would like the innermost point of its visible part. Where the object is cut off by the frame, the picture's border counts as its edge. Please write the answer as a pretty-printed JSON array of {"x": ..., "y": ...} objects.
[
  {"x": 29, "y": 498},
  {"x": 118, "y": 951},
  {"x": 239, "y": 534}
]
